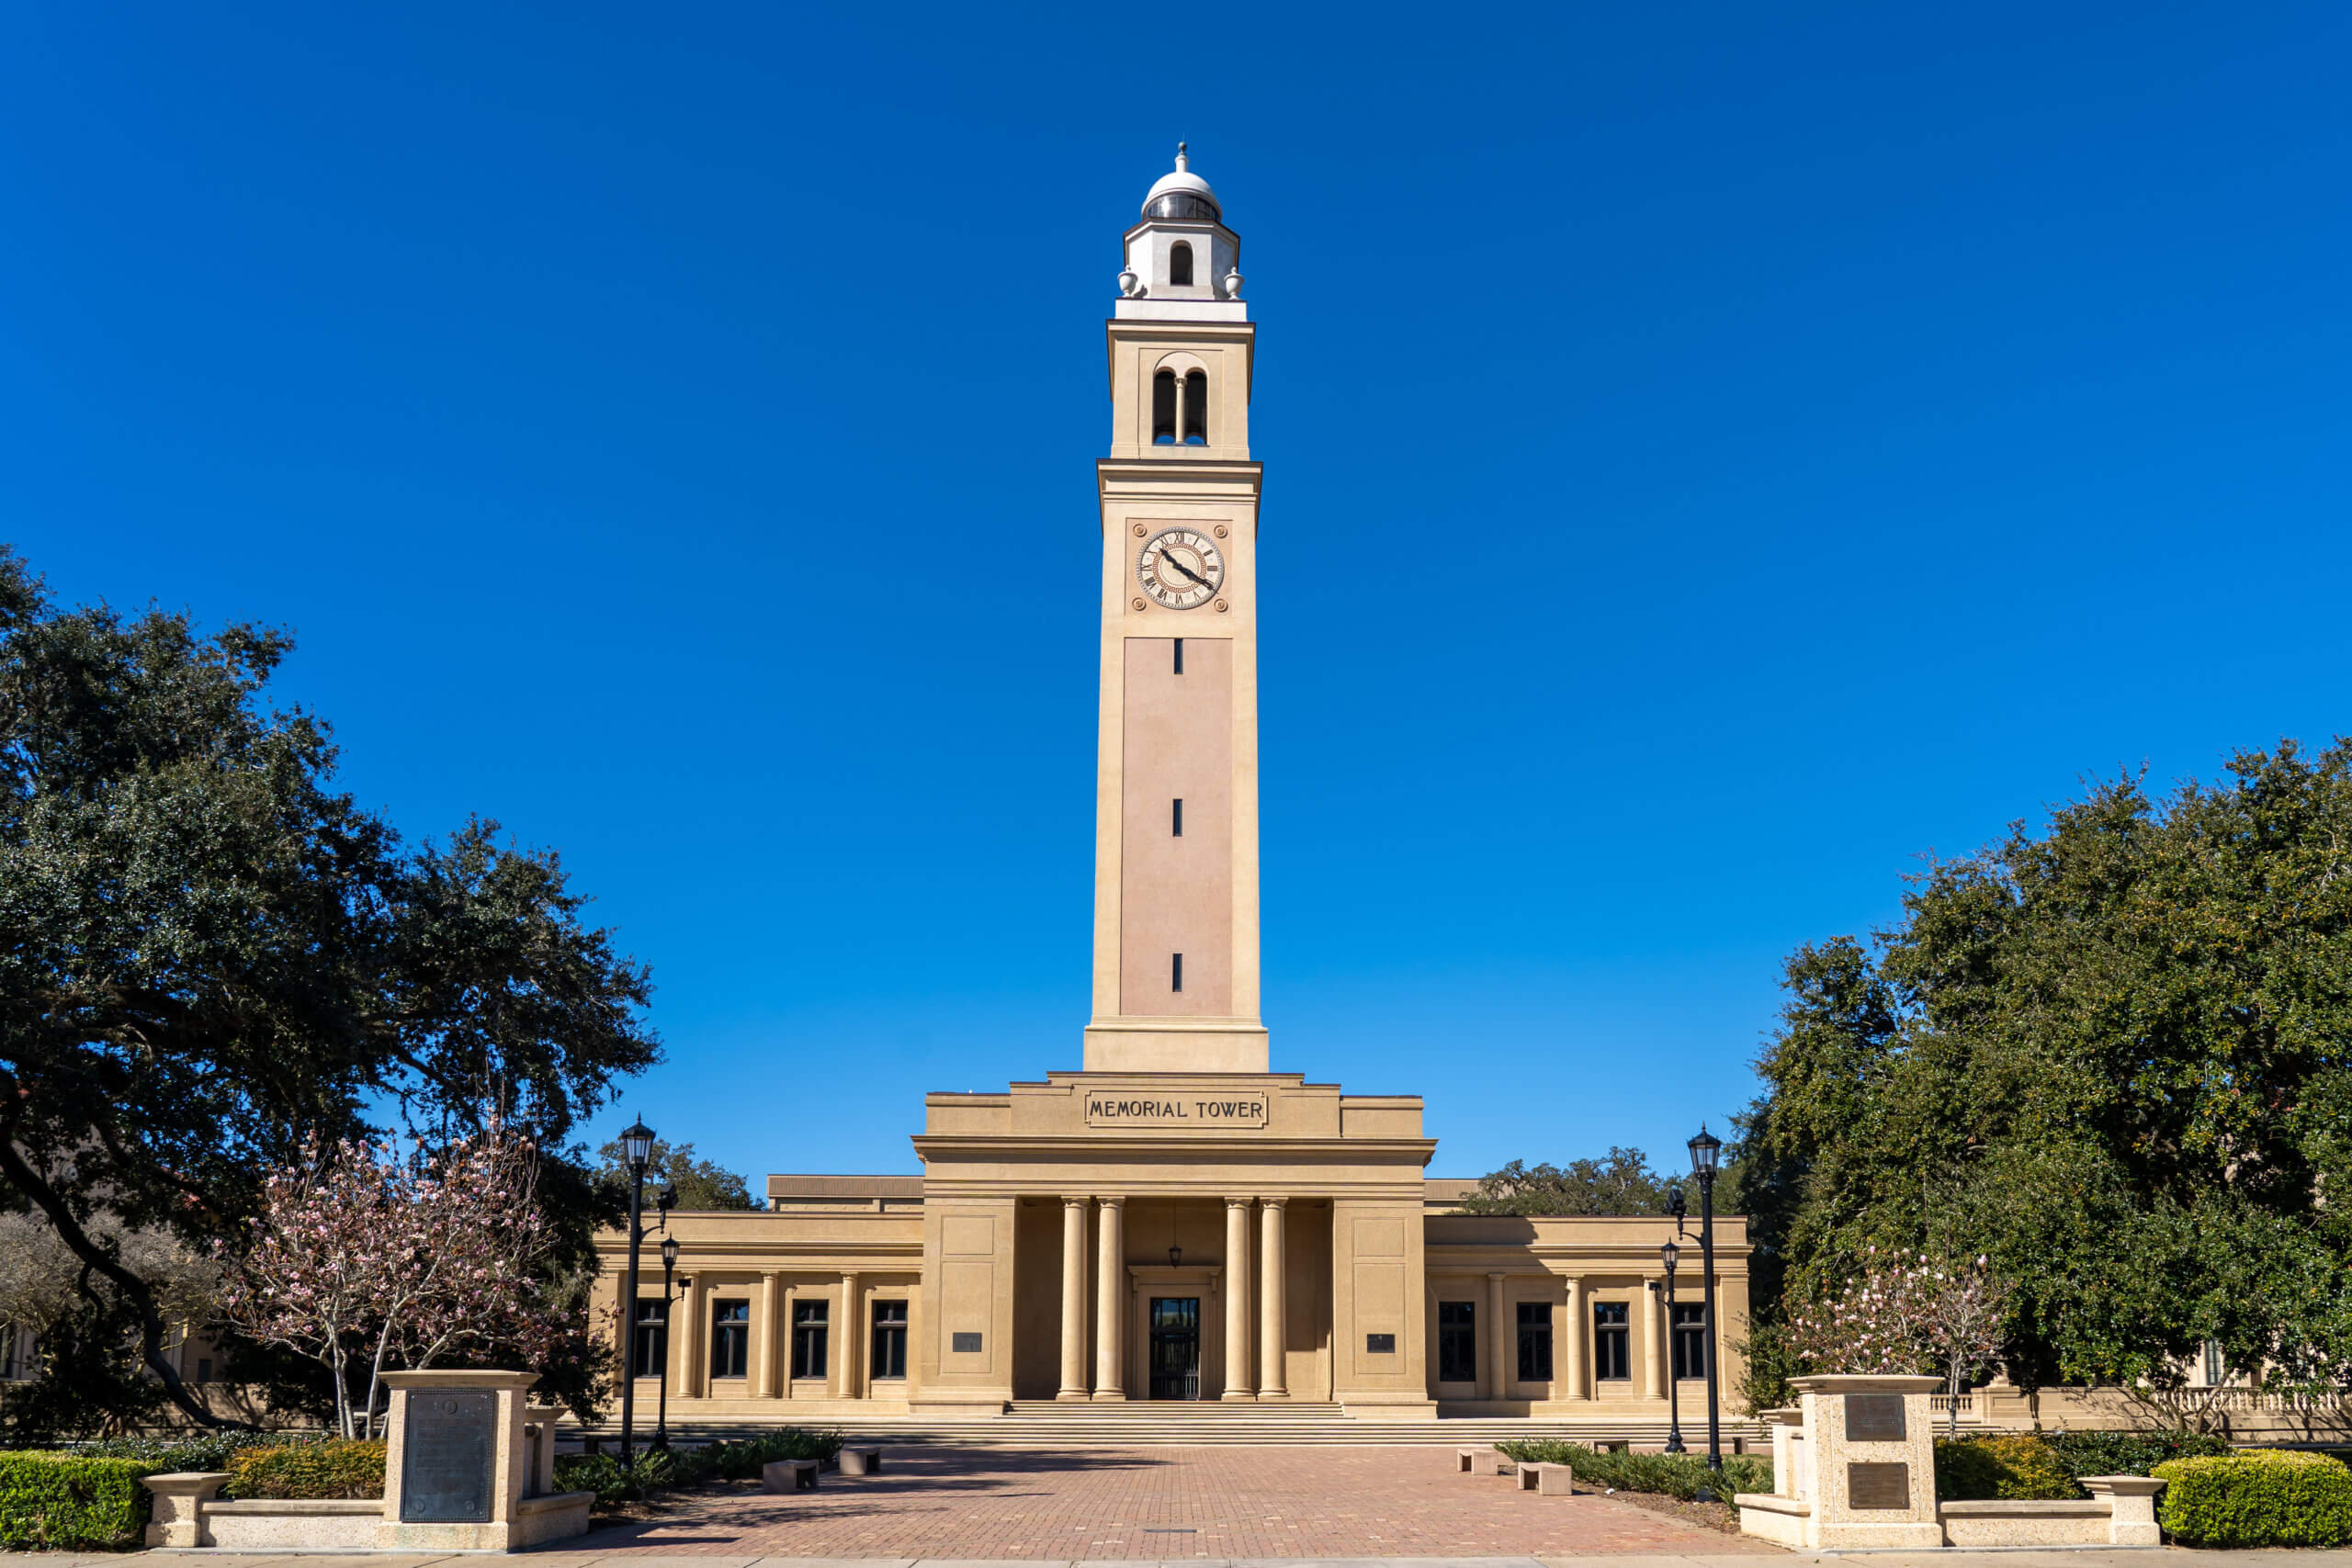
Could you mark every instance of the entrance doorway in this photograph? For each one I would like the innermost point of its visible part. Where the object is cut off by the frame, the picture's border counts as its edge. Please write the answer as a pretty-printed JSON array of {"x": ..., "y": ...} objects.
[{"x": 1175, "y": 1347}]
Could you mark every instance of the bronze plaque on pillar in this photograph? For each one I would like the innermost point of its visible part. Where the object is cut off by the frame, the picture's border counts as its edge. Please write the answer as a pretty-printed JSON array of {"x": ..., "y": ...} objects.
[
  {"x": 445, "y": 1468},
  {"x": 1878, "y": 1486},
  {"x": 1874, "y": 1418}
]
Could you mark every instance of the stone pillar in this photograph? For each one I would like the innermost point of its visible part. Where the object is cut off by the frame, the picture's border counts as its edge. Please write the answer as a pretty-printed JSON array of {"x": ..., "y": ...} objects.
[
  {"x": 1073, "y": 1300},
  {"x": 849, "y": 1345},
  {"x": 1873, "y": 1461},
  {"x": 1236, "y": 1299},
  {"x": 1110, "y": 1298},
  {"x": 1273, "y": 1306},
  {"x": 694, "y": 1368},
  {"x": 1498, "y": 1342},
  {"x": 1580, "y": 1330},
  {"x": 765, "y": 1337},
  {"x": 1654, "y": 1351}
]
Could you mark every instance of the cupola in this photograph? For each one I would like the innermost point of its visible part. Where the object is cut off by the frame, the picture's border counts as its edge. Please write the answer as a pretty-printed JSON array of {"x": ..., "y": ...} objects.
[{"x": 1182, "y": 261}]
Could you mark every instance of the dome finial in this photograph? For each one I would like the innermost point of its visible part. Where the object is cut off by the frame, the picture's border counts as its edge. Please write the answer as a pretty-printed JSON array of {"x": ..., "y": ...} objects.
[{"x": 1181, "y": 161}]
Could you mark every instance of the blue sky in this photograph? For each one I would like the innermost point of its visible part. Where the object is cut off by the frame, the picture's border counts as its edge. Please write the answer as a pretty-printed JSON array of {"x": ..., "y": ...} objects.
[{"x": 1813, "y": 435}]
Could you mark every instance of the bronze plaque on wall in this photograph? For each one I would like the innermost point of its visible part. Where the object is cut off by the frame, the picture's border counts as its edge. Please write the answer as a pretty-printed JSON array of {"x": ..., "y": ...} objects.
[
  {"x": 1878, "y": 1486},
  {"x": 446, "y": 1458},
  {"x": 1874, "y": 1418}
]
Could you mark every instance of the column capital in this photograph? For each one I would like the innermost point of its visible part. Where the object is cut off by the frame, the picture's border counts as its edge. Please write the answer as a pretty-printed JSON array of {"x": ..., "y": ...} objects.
[
  {"x": 770, "y": 1274},
  {"x": 1114, "y": 1202},
  {"x": 1275, "y": 1203},
  {"x": 1076, "y": 1202},
  {"x": 1495, "y": 1274},
  {"x": 1238, "y": 1203}
]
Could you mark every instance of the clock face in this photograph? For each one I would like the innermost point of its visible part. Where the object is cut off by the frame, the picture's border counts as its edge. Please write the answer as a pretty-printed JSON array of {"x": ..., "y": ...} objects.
[{"x": 1180, "y": 569}]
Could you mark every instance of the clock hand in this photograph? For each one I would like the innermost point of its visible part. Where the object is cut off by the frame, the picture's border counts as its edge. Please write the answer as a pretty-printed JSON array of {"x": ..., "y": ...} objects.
[{"x": 1187, "y": 570}]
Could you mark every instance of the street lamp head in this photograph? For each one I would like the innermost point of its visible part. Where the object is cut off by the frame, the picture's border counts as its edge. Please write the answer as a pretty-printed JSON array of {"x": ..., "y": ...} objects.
[
  {"x": 1706, "y": 1150},
  {"x": 1672, "y": 1255},
  {"x": 1675, "y": 1206},
  {"x": 669, "y": 1253},
  {"x": 637, "y": 1145},
  {"x": 1175, "y": 1258},
  {"x": 665, "y": 1200}
]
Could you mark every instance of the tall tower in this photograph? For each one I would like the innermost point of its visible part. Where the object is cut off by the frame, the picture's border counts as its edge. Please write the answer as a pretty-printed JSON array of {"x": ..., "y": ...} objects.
[{"x": 1176, "y": 801}]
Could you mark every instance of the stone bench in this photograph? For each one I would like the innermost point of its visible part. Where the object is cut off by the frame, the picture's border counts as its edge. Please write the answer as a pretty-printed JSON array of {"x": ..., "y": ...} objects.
[
  {"x": 788, "y": 1475},
  {"x": 861, "y": 1460},
  {"x": 1548, "y": 1480},
  {"x": 1479, "y": 1462}
]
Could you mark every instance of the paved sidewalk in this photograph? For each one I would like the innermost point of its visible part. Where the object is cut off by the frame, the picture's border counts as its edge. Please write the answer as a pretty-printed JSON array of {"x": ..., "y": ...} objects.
[{"x": 2142, "y": 1558}]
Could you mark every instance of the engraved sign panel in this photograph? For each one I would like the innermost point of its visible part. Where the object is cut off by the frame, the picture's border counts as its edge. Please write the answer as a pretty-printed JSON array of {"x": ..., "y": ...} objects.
[
  {"x": 964, "y": 1344},
  {"x": 1226, "y": 1111},
  {"x": 1874, "y": 1418},
  {"x": 1380, "y": 1343},
  {"x": 1879, "y": 1485},
  {"x": 445, "y": 1459}
]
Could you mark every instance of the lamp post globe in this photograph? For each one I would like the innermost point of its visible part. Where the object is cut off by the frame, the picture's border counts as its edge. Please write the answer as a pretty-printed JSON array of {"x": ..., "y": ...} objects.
[
  {"x": 1706, "y": 1156},
  {"x": 637, "y": 1147},
  {"x": 1671, "y": 1255}
]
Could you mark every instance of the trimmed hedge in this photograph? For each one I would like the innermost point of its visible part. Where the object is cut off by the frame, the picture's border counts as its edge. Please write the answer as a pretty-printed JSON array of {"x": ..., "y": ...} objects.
[
  {"x": 1673, "y": 1475},
  {"x": 2265, "y": 1498},
  {"x": 2017, "y": 1465},
  {"x": 342, "y": 1468},
  {"x": 654, "y": 1469},
  {"x": 54, "y": 1501},
  {"x": 2129, "y": 1453},
  {"x": 196, "y": 1450}
]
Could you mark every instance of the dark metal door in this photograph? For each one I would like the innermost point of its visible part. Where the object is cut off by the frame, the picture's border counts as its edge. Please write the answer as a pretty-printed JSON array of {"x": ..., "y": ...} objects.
[{"x": 1176, "y": 1348}]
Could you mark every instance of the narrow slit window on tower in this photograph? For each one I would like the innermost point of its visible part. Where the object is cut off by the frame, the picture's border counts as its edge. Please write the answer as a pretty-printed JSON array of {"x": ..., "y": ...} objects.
[
  {"x": 1180, "y": 656},
  {"x": 1176, "y": 972},
  {"x": 1178, "y": 817},
  {"x": 1180, "y": 265},
  {"x": 1196, "y": 409},
  {"x": 1163, "y": 408}
]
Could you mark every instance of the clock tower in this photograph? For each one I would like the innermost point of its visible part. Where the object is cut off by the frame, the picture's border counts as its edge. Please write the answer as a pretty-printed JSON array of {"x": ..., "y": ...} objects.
[{"x": 1176, "y": 801}]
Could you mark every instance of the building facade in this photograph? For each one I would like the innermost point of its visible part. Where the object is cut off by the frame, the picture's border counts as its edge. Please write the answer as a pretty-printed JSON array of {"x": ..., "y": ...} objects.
[{"x": 1173, "y": 1221}]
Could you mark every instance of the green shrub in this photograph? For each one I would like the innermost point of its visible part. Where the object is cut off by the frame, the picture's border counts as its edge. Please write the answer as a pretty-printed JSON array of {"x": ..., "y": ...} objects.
[
  {"x": 346, "y": 1467},
  {"x": 2265, "y": 1498},
  {"x": 655, "y": 1470},
  {"x": 2012, "y": 1466},
  {"x": 62, "y": 1502},
  {"x": 190, "y": 1450},
  {"x": 1674, "y": 1475},
  {"x": 2128, "y": 1453},
  {"x": 603, "y": 1474}
]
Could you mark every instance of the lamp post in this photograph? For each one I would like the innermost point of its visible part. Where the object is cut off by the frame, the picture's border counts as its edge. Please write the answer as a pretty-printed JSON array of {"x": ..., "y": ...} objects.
[
  {"x": 1706, "y": 1150},
  {"x": 669, "y": 1262},
  {"x": 637, "y": 1147},
  {"x": 1672, "y": 1255}
]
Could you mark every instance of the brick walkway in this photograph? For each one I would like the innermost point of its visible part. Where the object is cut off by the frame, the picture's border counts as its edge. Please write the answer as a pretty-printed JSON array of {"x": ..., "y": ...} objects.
[{"x": 1157, "y": 1503}]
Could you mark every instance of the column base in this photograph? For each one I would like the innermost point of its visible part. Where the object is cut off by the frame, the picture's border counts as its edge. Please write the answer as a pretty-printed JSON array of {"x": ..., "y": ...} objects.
[
  {"x": 1274, "y": 1393},
  {"x": 1110, "y": 1396},
  {"x": 1071, "y": 1393},
  {"x": 1239, "y": 1396}
]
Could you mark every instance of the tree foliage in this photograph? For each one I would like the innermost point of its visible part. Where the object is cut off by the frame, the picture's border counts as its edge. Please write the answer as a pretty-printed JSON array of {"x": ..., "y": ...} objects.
[
  {"x": 1619, "y": 1182},
  {"x": 700, "y": 1184},
  {"x": 2112, "y": 1057},
  {"x": 210, "y": 958}
]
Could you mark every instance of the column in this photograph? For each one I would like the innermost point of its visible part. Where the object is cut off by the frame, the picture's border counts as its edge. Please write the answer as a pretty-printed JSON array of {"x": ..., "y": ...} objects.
[
  {"x": 786, "y": 1295},
  {"x": 694, "y": 1368},
  {"x": 1236, "y": 1299},
  {"x": 1579, "y": 1331},
  {"x": 1073, "y": 1300},
  {"x": 1273, "y": 1304},
  {"x": 765, "y": 1338},
  {"x": 848, "y": 1343},
  {"x": 1110, "y": 1298},
  {"x": 1498, "y": 1342},
  {"x": 1654, "y": 1357}
]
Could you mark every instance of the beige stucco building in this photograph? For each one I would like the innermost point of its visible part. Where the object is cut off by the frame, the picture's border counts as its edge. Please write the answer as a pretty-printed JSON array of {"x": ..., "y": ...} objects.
[{"x": 1173, "y": 1221}]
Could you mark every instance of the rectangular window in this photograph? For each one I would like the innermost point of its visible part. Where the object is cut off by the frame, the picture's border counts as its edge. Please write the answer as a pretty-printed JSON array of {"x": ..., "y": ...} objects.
[
  {"x": 1179, "y": 815},
  {"x": 1691, "y": 1341},
  {"x": 731, "y": 1337},
  {"x": 808, "y": 1338},
  {"x": 1612, "y": 1355},
  {"x": 1176, "y": 973},
  {"x": 652, "y": 1336},
  {"x": 1457, "y": 1342},
  {"x": 1180, "y": 656},
  {"x": 1536, "y": 1341},
  {"x": 889, "y": 1340},
  {"x": 204, "y": 1368},
  {"x": 2215, "y": 1374}
]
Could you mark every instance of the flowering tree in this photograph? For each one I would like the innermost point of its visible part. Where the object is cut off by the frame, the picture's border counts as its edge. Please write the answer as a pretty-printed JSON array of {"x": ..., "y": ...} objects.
[
  {"x": 360, "y": 1258},
  {"x": 1907, "y": 1315}
]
